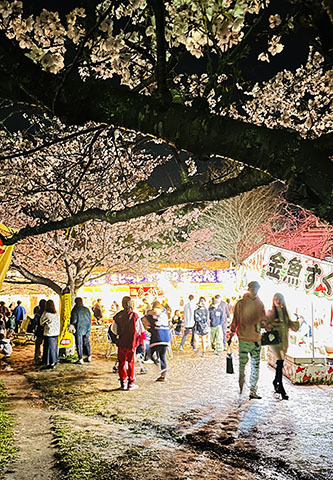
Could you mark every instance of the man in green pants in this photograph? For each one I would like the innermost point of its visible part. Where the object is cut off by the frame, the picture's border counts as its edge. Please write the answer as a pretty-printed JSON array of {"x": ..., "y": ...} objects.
[{"x": 249, "y": 317}]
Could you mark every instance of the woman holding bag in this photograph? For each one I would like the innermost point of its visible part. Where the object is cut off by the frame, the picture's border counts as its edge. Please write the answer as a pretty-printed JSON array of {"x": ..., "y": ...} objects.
[{"x": 278, "y": 319}]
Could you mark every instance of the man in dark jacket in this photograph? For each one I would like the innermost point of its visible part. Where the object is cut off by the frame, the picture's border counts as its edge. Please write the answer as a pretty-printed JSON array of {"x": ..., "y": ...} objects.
[{"x": 81, "y": 321}]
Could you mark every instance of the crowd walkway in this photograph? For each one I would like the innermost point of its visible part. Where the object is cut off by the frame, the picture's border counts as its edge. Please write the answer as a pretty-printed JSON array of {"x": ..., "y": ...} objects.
[{"x": 196, "y": 425}]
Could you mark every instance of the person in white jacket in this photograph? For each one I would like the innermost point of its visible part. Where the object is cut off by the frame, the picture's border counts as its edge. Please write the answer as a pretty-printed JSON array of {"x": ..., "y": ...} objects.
[
  {"x": 5, "y": 345},
  {"x": 188, "y": 321},
  {"x": 51, "y": 322}
]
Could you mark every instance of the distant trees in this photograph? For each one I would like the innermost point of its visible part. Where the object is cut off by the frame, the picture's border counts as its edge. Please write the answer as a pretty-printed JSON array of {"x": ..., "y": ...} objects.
[{"x": 237, "y": 226}]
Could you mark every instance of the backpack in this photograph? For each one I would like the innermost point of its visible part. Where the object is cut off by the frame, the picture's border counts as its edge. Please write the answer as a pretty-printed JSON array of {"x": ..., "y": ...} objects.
[{"x": 112, "y": 336}]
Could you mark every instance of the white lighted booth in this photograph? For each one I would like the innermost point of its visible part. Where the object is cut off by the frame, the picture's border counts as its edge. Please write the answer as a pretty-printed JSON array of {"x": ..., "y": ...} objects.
[{"x": 307, "y": 285}]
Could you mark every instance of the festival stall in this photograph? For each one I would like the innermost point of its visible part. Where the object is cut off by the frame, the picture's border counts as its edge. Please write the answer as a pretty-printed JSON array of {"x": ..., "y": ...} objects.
[
  {"x": 171, "y": 283},
  {"x": 307, "y": 284}
]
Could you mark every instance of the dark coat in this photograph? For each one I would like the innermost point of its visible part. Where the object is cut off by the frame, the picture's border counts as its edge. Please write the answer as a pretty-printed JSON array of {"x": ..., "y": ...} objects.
[{"x": 81, "y": 319}]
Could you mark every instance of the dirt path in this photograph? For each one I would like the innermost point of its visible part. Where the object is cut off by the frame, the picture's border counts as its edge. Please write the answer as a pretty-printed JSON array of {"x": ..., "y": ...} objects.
[{"x": 33, "y": 437}]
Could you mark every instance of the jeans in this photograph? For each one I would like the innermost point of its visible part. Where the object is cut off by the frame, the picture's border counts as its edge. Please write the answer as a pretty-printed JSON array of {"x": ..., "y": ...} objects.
[
  {"x": 38, "y": 343},
  {"x": 252, "y": 349},
  {"x": 186, "y": 332},
  {"x": 50, "y": 352},
  {"x": 83, "y": 345},
  {"x": 161, "y": 350}
]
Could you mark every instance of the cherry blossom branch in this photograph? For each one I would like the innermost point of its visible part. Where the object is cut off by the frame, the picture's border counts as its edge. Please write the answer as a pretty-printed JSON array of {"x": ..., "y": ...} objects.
[
  {"x": 56, "y": 141},
  {"x": 187, "y": 194}
]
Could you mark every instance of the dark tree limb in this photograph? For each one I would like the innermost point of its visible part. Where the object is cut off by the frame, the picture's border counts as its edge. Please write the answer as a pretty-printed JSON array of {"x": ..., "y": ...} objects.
[
  {"x": 189, "y": 193},
  {"x": 161, "y": 63},
  {"x": 37, "y": 279},
  {"x": 282, "y": 153}
]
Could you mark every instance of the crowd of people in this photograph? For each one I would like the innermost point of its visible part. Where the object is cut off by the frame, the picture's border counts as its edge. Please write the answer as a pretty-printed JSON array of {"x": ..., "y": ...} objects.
[
  {"x": 208, "y": 324},
  {"x": 205, "y": 324}
]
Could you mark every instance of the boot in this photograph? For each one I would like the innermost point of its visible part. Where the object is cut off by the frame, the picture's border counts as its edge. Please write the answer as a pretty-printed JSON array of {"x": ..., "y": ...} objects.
[
  {"x": 279, "y": 384},
  {"x": 278, "y": 376}
]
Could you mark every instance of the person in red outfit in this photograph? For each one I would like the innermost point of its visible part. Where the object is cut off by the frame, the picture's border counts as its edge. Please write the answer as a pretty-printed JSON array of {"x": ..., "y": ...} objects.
[{"x": 129, "y": 330}]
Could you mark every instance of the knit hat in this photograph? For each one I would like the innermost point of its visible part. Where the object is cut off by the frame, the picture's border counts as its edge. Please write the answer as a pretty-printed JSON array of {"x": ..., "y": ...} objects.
[{"x": 254, "y": 285}]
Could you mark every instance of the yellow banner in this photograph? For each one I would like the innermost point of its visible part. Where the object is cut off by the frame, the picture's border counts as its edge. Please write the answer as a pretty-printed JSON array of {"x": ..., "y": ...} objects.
[
  {"x": 65, "y": 339},
  {"x": 5, "y": 253}
]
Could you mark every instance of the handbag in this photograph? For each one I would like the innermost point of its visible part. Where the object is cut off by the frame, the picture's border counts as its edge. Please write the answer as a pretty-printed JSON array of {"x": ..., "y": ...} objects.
[
  {"x": 270, "y": 338},
  {"x": 230, "y": 365}
]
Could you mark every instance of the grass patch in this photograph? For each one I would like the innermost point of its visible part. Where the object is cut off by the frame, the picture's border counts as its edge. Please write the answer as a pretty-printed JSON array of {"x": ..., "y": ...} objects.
[
  {"x": 83, "y": 455},
  {"x": 72, "y": 393},
  {"x": 7, "y": 449}
]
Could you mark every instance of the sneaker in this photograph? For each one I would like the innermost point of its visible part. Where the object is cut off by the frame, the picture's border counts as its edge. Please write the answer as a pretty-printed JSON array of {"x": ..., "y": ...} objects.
[
  {"x": 143, "y": 370},
  {"x": 181, "y": 349},
  {"x": 81, "y": 362},
  {"x": 161, "y": 379},
  {"x": 254, "y": 395},
  {"x": 148, "y": 361},
  {"x": 133, "y": 386},
  {"x": 89, "y": 359},
  {"x": 123, "y": 385}
]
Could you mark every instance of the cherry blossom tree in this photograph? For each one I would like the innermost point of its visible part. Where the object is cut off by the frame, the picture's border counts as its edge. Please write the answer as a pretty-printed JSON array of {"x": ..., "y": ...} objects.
[
  {"x": 176, "y": 75},
  {"x": 74, "y": 256}
]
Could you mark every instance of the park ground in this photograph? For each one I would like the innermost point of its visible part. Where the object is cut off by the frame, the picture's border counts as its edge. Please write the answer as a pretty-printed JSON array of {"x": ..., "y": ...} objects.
[{"x": 73, "y": 423}]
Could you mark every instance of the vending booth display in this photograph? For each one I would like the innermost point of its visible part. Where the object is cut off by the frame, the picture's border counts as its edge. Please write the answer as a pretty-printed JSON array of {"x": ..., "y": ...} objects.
[
  {"x": 173, "y": 285},
  {"x": 307, "y": 285}
]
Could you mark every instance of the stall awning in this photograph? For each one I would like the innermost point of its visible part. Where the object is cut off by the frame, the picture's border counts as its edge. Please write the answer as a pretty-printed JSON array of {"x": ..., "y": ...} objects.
[
  {"x": 302, "y": 272},
  {"x": 213, "y": 265}
]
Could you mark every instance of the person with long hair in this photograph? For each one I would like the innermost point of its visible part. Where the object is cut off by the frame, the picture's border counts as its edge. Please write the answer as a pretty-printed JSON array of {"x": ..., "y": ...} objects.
[
  {"x": 157, "y": 323},
  {"x": 128, "y": 329},
  {"x": 51, "y": 323},
  {"x": 38, "y": 329},
  {"x": 278, "y": 319}
]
